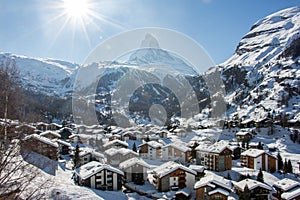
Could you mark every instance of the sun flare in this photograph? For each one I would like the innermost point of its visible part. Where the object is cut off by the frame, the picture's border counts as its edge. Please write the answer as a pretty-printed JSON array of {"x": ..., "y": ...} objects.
[{"x": 76, "y": 8}]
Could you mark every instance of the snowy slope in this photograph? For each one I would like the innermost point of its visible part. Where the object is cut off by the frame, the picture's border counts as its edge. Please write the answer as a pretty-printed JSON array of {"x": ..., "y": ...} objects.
[
  {"x": 263, "y": 75},
  {"x": 46, "y": 76}
]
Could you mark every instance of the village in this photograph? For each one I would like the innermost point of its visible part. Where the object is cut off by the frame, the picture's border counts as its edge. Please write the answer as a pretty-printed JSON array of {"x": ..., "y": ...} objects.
[{"x": 182, "y": 162}]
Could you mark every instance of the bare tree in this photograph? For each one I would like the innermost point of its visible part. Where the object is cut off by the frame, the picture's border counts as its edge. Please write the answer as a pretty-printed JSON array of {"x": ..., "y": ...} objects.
[
  {"x": 18, "y": 178},
  {"x": 9, "y": 93}
]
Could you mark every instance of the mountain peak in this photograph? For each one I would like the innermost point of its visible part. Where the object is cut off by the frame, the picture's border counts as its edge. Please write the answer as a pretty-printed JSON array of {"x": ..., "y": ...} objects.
[{"x": 150, "y": 42}]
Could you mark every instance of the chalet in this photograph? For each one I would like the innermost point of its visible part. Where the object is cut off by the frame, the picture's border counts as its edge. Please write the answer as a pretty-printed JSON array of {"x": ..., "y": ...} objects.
[
  {"x": 116, "y": 156},
  {"x": 180, "y": 132},
  {"x": 87, "y": 156},
  {"x": 199, "y": 170},
  {"x": 99, "y": 176},
  {"x": 243, "y": 136},
  {"x": 248, "y": 123},
  {"x": 128, "y": 135},
  {"x": 118, "y": 144},
  {"x": 112, "y": 137},
  {"x": 75, "y": 138},
  {"x": 287, "y": 189},
  {"x": 184, "y": 194},
  {"x": 259, "y": 159},
  {"x": 162, "y": 133},
  {"x": 42, "y": 126},
  {"x": 135, "y": 170},
  {"x": 25, "y": 129},
  {"x": 150, "y": 150},
  {"x": 41, "y": 145},
  {"x": 216, "y": 157},
  {"x": 213, "y": 187},
  {"x": 173, "y": 176},
  {"x": 252, "y": 189},
  {"x": 50, "y": 135},
  {"x": 54, "y": 127},
  {"x": 64, "y": 147},
  {"x": 176, "y": 152}
]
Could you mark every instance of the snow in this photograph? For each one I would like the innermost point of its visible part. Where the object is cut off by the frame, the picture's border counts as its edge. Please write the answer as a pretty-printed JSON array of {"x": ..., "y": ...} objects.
[
  {"x": 253, "y": 152},
  {"x": 93, "y": 167},
  {"x": 214, "y": 180},
  {"x": 42, "y": 139},
  {"x": 286, "y": 184},
  {"x": 219, "y": 190},
  {"x": 113, "y": 142},
  {"x": 51, "y": 133},
  {"x": 251, "y": 184},
  {"x": 169, "y": 167},
  {"x": 133, "y": 161},
  {"x": 291, "y": 194}
]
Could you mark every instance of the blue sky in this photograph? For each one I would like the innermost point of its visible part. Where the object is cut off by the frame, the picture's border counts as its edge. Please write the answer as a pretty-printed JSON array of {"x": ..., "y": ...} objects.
[{"x": 38, "y": 28}]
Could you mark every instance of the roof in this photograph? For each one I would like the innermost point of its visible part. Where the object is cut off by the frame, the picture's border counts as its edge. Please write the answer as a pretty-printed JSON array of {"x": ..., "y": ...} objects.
[
  {"x": 291, "y": 194},
  {"x": 181, "y": 147},
  {"x": 197, "y": 168},
  {"x": 219, "y": 190},
  {"x": 91, "y": 168},
  {"x": 253, "y": 152},
  {"x": 242, "y": 133},
  {"x": 213, "y": 180},
  {"x": 51, "y": 133},
  {"x": 217, "y": 147},
  {"x": 169, "y": 167},
  {"x": 62, "y": 142},
  {"x": 115, "y": 141},
  {"x": 251, "y": 184},
  {"x": 133, "y": 161},
  {"x": 152, "y": 144},
  {"x": 41, "y": 139},
  {"x": 286, "y": 184},
  {"x": 123, "y": 151}
]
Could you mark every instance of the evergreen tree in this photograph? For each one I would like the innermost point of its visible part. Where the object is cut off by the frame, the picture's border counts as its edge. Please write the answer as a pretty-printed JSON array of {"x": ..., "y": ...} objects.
[
  {"x": 260, "y": 146},
  {"x": 289, "y": 167},
  {"x": 260, "y": 176},
  {"x": 285, "y": 166},
  {"x": 245, "y": 195},
  {"x": 228, "y": 176},
  {"x": 76, "y": 158},
  {"x": 280, "y": 162},
  {"x": 134, "y": 147}
]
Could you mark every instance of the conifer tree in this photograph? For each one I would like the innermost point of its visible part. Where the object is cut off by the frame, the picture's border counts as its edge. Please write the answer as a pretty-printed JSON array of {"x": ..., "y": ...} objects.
[
  {"x": 260, "y": 176},
  {"x": 280, "y": 162}
]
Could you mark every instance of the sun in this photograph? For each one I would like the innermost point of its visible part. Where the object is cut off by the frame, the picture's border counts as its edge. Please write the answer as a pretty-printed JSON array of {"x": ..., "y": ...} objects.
[{"x": 77, "y": 8}]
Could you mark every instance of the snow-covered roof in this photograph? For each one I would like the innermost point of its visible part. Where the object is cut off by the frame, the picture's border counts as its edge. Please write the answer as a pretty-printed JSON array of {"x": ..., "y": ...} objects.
[
  {"x": 251, "y": 184},
  {"x": 212, "y": 180},
  {"x": 62, "y": 142},
  {"x": 217, "y": 147},
  {"x": 181, "y": 147},
  {"x": 123, "y": 151},
  {"x": 133, "y": 161},
  {"x": 25, "y": 125},
  {"x": 291, "y": 194},
  {"x": 242, "y": 133},
  {"x": 91, "y": 168},
  {"x": 42, "y": 139},
  {"x": 253, "y": 152},
  {"x": 197, "y": 168},
  {"x": 219, "y": 190},
  {"x": 286, "y": 184},
  {"x": 115, "y": 141},
  {"x": 51, "y": 133},
  {"x": 169, "y": 167},
  {"x": 152, "y": 144}
]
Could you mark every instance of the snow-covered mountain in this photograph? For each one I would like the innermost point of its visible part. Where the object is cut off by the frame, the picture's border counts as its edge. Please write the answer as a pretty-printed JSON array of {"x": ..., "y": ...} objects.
[
  {"x": 263, "y": 75},
  {"x": 47, "y": 76},
  {"x": 262, "y": 78}
]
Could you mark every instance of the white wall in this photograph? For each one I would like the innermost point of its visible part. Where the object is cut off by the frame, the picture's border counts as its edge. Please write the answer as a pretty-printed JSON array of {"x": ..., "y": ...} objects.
[
  {"x": 190, "y": 180},
  {"x": 115, "y": 181}
]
